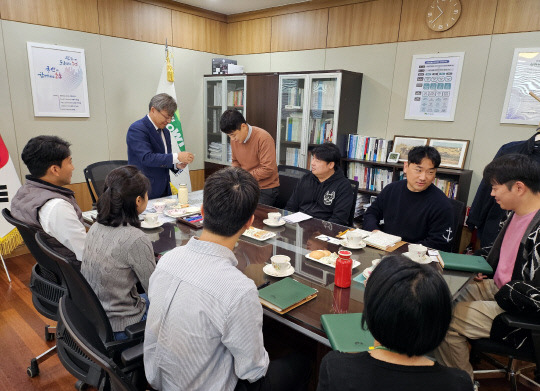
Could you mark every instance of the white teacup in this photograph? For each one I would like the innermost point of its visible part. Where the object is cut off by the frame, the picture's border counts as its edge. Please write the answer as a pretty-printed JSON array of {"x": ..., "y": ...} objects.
[
  {"x": 151, "y": 218},
  {"x": 280, "y": 263},
  {"x": 417, "y": 252},
  {"x": 159, "y": 206},
  {"x": 274, "y": 217},
  {"x": 354, "y": 238}
]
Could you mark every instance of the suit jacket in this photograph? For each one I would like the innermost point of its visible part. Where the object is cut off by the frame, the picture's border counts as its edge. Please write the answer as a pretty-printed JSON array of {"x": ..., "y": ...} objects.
[{"x": 147, "y": 152}]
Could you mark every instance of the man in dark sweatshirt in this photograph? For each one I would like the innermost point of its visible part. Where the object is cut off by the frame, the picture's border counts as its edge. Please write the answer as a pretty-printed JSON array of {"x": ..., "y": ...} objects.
[
  {"x": 414, "y": 208},
  {"x": 325, "y": 193}
]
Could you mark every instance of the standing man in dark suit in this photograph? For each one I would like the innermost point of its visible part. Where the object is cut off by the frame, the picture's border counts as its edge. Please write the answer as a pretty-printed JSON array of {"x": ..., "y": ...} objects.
[{"x": 149, "y": 146}]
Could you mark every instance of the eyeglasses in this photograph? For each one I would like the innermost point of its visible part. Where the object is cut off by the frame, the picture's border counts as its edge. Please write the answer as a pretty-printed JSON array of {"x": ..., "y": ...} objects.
[{"x": 168, "y": 118}]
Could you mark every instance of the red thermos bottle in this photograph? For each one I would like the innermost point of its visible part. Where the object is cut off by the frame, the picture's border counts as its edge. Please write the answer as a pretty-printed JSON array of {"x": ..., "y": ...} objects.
[{"x": 343, "y": 269}]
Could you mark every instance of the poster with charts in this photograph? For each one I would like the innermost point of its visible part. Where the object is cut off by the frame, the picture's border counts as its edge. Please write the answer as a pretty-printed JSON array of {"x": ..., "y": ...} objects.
[
  {"x": 58, "y": 79},
  {"x": 519, "y": 107},
  {"x": 434, "y": 86}
]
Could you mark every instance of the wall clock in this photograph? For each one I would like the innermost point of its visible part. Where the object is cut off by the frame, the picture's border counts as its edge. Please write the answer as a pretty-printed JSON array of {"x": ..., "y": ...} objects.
[{"x": 441, "y": 15}]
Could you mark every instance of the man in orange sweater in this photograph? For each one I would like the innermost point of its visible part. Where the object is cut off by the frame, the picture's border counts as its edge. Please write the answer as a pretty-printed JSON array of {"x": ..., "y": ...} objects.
[{"x": 254, "y": 150}]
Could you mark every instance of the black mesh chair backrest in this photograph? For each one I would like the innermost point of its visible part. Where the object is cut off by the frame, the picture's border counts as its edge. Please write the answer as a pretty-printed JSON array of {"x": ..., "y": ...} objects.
[
  {"x": 96, "y": 173},
  {"x": 87, "y": 338},
  {"x": 288, "y": 179},
  {"x": 459, "y": 219},
  {"x": 80, "y": 292},
  {"x": 354, "y": 185},
  {"x": 48, "y": 267}
]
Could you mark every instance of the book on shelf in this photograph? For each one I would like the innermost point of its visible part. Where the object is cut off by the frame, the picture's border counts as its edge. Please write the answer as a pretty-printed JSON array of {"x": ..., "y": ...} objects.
[
  {"x": 323, "y": 94},
  {"x": 448, "y": 186},
  {"x": 293, "y": 127},
  {"x": 286, "y": 294},
  {"x": 345, "y": 332},
  {"x": 367, "y": 148},
  {"x": 291, "y": 156},
  {"x": 217, "y": 94},
  {"x": 235, "y": 97},
  {"x": 368, "y": 177}
]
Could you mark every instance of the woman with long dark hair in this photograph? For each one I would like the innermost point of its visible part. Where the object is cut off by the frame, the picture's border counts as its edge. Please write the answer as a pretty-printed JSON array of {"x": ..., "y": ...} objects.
[{"x": 117, "y": 254}]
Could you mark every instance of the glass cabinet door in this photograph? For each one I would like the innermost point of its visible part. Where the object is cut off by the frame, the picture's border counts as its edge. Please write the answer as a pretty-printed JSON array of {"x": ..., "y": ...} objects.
[
  {"x": 235, "y": 99},
  {"x": 291, "y": 120},
  {"x": 214, "y": 108}
]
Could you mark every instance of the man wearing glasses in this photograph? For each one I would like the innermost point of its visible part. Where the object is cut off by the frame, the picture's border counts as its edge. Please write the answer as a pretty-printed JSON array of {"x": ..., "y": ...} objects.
[{"x": 149, "y": 146}]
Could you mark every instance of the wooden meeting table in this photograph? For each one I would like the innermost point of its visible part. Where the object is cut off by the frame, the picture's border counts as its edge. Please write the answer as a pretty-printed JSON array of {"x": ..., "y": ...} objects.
[{"x": 297, "y": 240}]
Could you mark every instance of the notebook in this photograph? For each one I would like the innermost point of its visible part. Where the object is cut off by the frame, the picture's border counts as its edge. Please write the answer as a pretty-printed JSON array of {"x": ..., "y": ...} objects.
[
  {"x": 466, "y": 263},
  {"x": 382, "y": 240},
  {"x": 345, "y": 332},
  {"x": 286, "y": 294}
]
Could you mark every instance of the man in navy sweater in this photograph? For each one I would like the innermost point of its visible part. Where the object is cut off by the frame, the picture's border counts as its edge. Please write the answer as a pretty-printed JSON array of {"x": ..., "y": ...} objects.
[{"x": 414, "y": 208}]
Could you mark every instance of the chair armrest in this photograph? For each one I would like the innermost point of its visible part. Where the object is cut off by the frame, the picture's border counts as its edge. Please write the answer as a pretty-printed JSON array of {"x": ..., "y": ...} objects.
[
  {"x": 521, "y": 322},
  {"x": 132, "y": 355},
  {"x": 136, "y": 330}
]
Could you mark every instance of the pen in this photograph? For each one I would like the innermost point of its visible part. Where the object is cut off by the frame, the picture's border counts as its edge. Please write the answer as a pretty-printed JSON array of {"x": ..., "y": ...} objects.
[{"x": 263, "y": 285}]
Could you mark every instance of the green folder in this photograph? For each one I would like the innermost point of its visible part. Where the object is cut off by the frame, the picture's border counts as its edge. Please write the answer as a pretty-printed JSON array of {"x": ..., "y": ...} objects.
[
  {"x": 465, "y": 263},
  {"x": 345, "y": 332},
  {"x": 286, "y": 294}
]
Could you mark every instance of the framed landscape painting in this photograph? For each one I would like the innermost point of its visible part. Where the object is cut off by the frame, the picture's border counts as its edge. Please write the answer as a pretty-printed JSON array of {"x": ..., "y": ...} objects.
[
  {"x": 453, "y": 152},
  {"x": 403, "y": 144}
]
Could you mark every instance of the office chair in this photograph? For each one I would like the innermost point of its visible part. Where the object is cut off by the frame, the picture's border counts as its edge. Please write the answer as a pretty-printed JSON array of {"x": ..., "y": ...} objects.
[
  {"x": 46, "y": 284},
  {"x": 458, "y": 208},
  {"x": 354, "y": 185},
  {"x": 81, "y": 294},
  {"x": 481, "y": 348},
  {"x": 122, "y": 376},
  {"x": 288, "y": 179},
  {"x": 96, "y": 173}
]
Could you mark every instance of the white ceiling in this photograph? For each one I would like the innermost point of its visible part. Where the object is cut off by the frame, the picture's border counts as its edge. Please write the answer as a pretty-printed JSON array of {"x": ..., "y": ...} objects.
[{"x": 229, "y": 7}]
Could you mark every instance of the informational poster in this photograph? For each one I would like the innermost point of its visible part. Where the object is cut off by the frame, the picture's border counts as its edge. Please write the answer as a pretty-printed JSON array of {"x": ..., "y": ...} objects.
[
  {"x": 434, "y": 86},
  {"x": 519, "y": 107},
  {"x": 58, "y": 78}
]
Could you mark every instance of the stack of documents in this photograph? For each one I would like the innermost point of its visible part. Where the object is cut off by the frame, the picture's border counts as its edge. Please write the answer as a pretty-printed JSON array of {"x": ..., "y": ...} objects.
[
  {"x": 89, "y": 215},
  {"x": 214, "y": 151},
  {"x": 296, "y": 217}
]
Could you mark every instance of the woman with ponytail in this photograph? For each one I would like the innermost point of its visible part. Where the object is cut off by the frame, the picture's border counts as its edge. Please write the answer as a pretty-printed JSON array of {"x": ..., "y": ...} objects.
[{"x": 117, "y": 254}]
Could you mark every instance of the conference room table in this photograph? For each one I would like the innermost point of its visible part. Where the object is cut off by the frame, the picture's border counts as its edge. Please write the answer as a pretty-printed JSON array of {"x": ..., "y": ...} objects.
[{"x": 296, "y": 241}]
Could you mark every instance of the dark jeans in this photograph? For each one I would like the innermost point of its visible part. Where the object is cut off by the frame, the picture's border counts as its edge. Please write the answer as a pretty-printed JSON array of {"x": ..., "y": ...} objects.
[
  {"x": 121, "y": 335},
  {"x": 290, "y": 373},
  {"x": 269, "y": 196}
]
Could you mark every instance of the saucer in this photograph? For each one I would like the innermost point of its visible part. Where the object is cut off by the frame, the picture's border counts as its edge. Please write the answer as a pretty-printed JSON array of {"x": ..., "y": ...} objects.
[
  {"x": 427, "y": 258},
  {"x": 278, "y": 224},
  {"x": 345, "y": 243},
  {"x": 269, "y": 269},
  {"x": 144, "y": 224}
]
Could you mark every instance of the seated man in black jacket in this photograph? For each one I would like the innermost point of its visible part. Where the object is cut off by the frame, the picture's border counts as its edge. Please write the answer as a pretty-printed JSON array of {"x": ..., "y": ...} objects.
[
  {"x": 325, "y": 193},
  {"x": 514, "y": 256},
  {"x": 414, "y": 208}
]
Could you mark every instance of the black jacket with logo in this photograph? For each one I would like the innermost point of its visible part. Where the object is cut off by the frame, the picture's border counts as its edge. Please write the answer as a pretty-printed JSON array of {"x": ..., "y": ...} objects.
[{"x": 330, "y": 200}]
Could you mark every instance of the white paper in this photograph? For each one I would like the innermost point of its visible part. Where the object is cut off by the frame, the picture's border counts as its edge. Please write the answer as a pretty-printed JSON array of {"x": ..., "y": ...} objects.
[{"x": 296, "y": 217}]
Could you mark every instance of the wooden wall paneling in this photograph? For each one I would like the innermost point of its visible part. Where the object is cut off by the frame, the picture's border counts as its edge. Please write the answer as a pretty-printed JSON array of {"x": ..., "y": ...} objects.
[
  {"x": 299, "y": 31},
  {"x": 188, "y": 9},
  {"x": 79, "y": 15},
  {"x": 478, "y": 17},
  {"x": 197, "y": 179},
  {"x": 134, "y": 20},
  {"x": 198, "y": 33},
  {"x": 82, "y": 195},
  {"x": 517, "y": 16},
  {"x": 249, "y": 37},
  {"x": 364, "y": 23},
  {"x": 291, "y": 8}
]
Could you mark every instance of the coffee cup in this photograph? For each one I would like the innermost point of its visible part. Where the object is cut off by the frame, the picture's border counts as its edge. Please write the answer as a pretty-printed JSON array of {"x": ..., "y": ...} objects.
[
  {"x": 354, "y": 238},
  {"x": 159, "y": 206},
  {"x": 274, "y": 217},
  {"x": 280, "y": 263},
  {"x": 417, "y": 252},
  {"x": 151, "y": 218}
]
